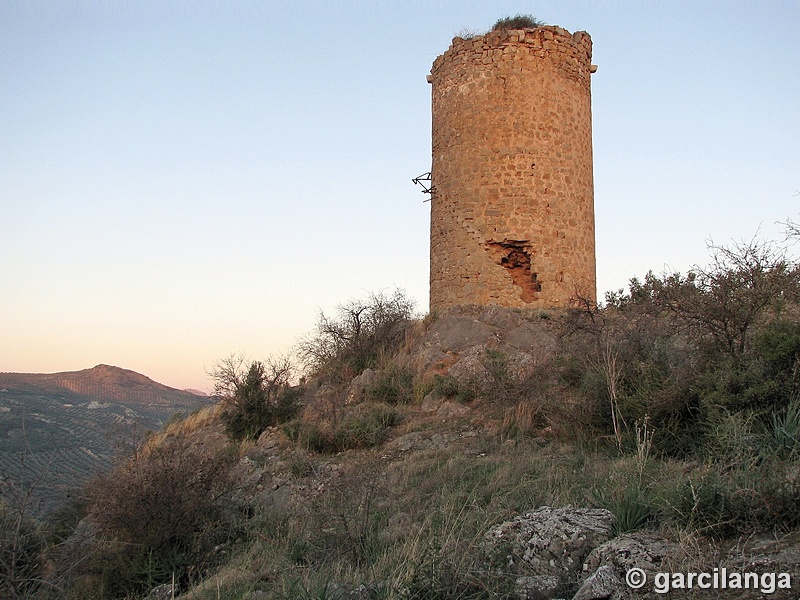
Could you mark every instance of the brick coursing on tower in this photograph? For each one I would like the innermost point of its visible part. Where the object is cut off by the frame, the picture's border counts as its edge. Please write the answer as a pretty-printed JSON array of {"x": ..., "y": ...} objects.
[{"x": 512, "y": 207}]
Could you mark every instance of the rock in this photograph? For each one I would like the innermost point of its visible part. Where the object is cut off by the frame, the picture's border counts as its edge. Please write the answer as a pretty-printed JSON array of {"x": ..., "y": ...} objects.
[
  {"x": 520, "y": 364},
  {"x": 358, "y": 385},
  {"x": 766, "y": 552},
  {"x": 464, "y": 333},
  {"x": 498, "y": 317},
  {"x": 162, "y": 592},
  {"x": 269, "y": 440},
  {"x": 548, "y": 541},
  {"x": 449, "y": 410},
  {"x": 641, "y": 549},
  {"x": 406, "y": 442},
  {"x": 458, "y": 332},
  {"x": 538, "y": 587},
  {"x": 470, "y": 367},
  {"x": 533, "y": 339},
  {"x": 417, "y": 440},
  {"x": 600, "y": 585},
  {"x": 431, "y": 402}
]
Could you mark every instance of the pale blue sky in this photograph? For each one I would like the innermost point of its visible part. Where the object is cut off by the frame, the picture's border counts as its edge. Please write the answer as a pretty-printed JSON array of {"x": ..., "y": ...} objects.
[{"x": 180, "y": 181}]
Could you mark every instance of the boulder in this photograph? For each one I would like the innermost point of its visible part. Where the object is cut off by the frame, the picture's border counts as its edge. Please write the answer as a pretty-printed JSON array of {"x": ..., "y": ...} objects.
[
  {"x": 538, "y": 588},
  {"x": 641, "y": 549},
  {"x": 548, "y": 541},
  {"x": 603, "y": 584},
  {"x": 358, "y": 385},
  {"x": 469, "y": 367}
]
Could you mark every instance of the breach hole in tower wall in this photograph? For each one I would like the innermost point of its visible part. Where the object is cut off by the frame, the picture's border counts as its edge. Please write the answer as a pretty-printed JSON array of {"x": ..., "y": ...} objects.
[{"x": 515, "y": 257}]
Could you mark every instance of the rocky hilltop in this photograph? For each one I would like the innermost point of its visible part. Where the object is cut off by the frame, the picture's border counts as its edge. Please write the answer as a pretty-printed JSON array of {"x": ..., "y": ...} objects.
[
  {"x": 459, "y": 469},
  {"x": 481, "y": 452}
]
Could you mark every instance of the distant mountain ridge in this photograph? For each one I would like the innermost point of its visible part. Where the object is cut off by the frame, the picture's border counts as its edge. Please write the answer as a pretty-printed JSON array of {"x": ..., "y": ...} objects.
[
  {"x": 105, "y": 381},
  {"x": 58, "y": 429}
]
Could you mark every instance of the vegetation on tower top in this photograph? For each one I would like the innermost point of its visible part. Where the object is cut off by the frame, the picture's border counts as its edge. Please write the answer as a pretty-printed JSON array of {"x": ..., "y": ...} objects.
[{"x": 518, "y": 22}]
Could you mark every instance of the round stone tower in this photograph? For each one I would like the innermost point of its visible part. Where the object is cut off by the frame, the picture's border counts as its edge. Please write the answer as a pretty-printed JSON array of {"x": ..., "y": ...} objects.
[{"x": 512, "y": 202}]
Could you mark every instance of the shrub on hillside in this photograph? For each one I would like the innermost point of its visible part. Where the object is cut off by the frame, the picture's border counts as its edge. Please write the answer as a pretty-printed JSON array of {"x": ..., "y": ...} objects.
[
  {"x": 360, "y": 334},
  {"x": 392, "y": 385},
  {"x": 447, "y": 386},
  {"x": 365, "y": 426},
  {"x": 783, "y": 430},
  {"x": 724, "y": 503},
  {"x": 158, "y": 514},
  {"x": 254, "y": 396},
  {"x": 22, "y": 548},
  {"x": 682, "y": 350},
  {"x": 720, "y": 305}
]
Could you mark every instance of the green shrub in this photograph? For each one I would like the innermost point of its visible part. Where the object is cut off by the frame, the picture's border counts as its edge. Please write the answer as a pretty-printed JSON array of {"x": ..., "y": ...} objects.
[
  {"x": 447, "y": 386},
  {"x": 392, "y": 385},
  {"x": 518, "y": 22},
  {"x": 722, "y": 501},
  {"x": 784, "y": 433},
  {"x": 364, "y": 428},
  {"x": 159, "y": 514},
  {"x": 733, "y": 439},
  {"x": 631, "y": 509},
  {"x": 255, "y": 397}
]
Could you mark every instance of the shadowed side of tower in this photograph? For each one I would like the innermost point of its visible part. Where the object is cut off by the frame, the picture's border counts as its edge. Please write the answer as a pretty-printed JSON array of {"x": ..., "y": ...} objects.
[{"x": 512, "y": 207}]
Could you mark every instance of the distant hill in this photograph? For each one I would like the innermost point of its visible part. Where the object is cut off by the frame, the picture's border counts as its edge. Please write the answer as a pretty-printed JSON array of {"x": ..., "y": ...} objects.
[
  {"x": 58, "y": 429},
  {"x": 103, "y": 381}
]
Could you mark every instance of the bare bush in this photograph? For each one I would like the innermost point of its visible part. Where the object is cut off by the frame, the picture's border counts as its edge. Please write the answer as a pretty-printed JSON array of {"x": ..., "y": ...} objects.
[
  {"x": 683, "y": 349},
  {"x": 22, "y": 547},
  {"x": 722, "y": 302},
  {"x": 360, "y": 334}
]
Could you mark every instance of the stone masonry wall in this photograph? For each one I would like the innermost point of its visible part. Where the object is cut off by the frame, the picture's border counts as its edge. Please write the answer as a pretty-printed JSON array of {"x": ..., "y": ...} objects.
[{"x": 512, "y": 208}]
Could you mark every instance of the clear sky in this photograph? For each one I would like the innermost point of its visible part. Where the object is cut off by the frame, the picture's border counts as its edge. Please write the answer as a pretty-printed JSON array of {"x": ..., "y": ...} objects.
[{"x": 180, "y": 181}]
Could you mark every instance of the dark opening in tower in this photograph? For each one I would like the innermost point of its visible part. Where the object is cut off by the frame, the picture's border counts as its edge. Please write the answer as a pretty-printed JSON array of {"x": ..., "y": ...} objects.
[{"x": 515, "y": 258}]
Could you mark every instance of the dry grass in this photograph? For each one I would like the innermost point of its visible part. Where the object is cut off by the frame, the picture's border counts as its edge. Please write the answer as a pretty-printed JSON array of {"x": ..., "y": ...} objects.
[{"x": 195, "y": 423}]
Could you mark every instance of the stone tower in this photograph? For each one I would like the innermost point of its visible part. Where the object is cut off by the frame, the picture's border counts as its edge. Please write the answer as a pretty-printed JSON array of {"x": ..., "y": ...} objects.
[{"x": 512, "y": 202}]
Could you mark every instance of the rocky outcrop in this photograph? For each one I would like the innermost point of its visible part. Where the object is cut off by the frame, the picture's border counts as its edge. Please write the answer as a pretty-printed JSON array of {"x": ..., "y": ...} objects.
[
  {"x": 360, "y": 383},
  {"x": 642, "y": 550},
  {"x": 572, "y": 553},
  {"x": 456, "y": 342},
  {"x": 600, "y": 585},
  {"x": 547, "y": 548}
]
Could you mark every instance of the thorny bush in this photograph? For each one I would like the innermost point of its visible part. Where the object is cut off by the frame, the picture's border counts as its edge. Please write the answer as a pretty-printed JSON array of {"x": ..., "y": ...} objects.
[{"x": 360, "y": 334}]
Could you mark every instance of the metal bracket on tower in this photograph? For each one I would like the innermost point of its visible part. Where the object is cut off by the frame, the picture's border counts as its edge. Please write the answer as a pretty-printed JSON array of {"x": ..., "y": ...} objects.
[{"x": 427, "y": 188}]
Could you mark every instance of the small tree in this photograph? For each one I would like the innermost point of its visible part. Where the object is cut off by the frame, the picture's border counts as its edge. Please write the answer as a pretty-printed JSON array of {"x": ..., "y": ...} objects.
[
  {"x": 724, "y": 337},
  {"x": 722, "y": 302},
  {"x": 254, "y": 396}
]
